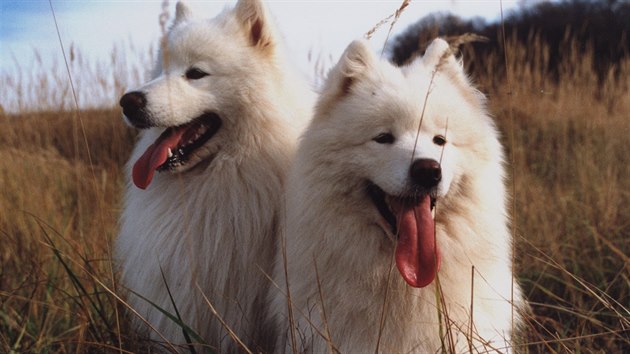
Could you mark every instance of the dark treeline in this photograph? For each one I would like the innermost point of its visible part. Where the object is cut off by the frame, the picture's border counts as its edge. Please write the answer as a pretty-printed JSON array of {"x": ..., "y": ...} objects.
[{"x": 599, "y": 27}]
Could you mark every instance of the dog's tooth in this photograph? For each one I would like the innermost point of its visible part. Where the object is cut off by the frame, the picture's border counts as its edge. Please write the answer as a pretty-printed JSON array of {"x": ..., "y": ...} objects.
[
  {"x": 433, "y": 213},
  {"x": 170, "y": 153}
]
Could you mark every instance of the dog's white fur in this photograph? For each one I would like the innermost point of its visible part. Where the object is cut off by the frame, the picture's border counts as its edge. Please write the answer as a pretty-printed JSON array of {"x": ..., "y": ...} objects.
[
  {"x": 333, "y": 225},
  {"x": 212, "y": 227}
]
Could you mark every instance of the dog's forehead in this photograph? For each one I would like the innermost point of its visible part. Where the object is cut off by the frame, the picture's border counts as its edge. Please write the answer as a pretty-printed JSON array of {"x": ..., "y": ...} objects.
[
  {"x": 385, "y": 111},
  {"x": 389, "y": 103},
  {"x": 200, "y": 37}
]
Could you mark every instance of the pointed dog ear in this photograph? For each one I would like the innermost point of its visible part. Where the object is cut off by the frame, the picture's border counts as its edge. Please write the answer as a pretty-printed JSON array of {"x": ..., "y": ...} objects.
[
  {"x": 353, "y": 66},
  {"x": 254, "y": 19},
  {"x": 437, "y": 51},
  {"x": 182, "y": 13},
  {"x": 439, "y": 56},
  {"x": 356, "y": 59}
]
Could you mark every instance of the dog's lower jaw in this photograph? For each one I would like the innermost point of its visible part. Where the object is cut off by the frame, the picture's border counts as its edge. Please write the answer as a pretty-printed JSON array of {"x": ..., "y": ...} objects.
[
  {"x": 176, "y": 148},
  {"x": 191, "y": 150},
  {"x": 383, "y": 203}
]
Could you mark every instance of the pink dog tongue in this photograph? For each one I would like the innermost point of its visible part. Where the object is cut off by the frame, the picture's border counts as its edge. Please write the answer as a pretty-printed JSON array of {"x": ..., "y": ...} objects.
[
  {"x": 155, "y": 156},
  {"x": 416, "y": 249}
]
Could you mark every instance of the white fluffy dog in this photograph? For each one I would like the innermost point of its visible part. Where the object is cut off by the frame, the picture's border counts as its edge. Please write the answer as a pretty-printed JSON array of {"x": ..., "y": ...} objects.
[
  {"x": 397, "y": 237},
  {"x": 203, "y": 216}
]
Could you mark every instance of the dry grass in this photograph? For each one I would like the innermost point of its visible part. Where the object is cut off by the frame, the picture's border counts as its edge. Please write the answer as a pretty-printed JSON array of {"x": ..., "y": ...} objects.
[{"x": 569, "y": 141}]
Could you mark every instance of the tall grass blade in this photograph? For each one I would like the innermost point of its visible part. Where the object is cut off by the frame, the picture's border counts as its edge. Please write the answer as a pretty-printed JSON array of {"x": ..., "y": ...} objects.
[
  {"x": 175, "y": 319},
  {"x": 191, "y": 347}
]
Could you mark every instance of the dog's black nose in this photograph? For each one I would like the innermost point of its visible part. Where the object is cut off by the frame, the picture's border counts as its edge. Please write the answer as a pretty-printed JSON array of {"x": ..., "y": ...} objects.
[
  {"x": 426, "y": 173},
  {"x": 133, "y": 104}
]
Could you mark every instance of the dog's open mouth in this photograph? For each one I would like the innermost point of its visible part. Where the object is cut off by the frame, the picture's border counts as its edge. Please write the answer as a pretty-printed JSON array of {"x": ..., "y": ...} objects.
[
  {"x": 411, "y": 219},
  {"x": 174, "y": 148}
]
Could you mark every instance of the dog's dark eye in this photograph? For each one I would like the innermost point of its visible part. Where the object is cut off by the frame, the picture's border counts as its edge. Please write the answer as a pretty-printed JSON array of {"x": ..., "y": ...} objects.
[
  {"x": 384, "y": 138},
  {"x": 195, "y": 74},
  {"x": 439, "y": 140}
]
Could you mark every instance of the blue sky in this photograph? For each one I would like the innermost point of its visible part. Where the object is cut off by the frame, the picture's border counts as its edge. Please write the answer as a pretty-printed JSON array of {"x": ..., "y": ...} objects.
[{"x": 95, "y": 27}]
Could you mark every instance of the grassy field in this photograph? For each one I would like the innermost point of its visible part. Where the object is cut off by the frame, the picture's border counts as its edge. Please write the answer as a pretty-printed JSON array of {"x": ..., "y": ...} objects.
[
  {"x": 568, "y": 142},
  {"x": 61, "y": 180}
]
